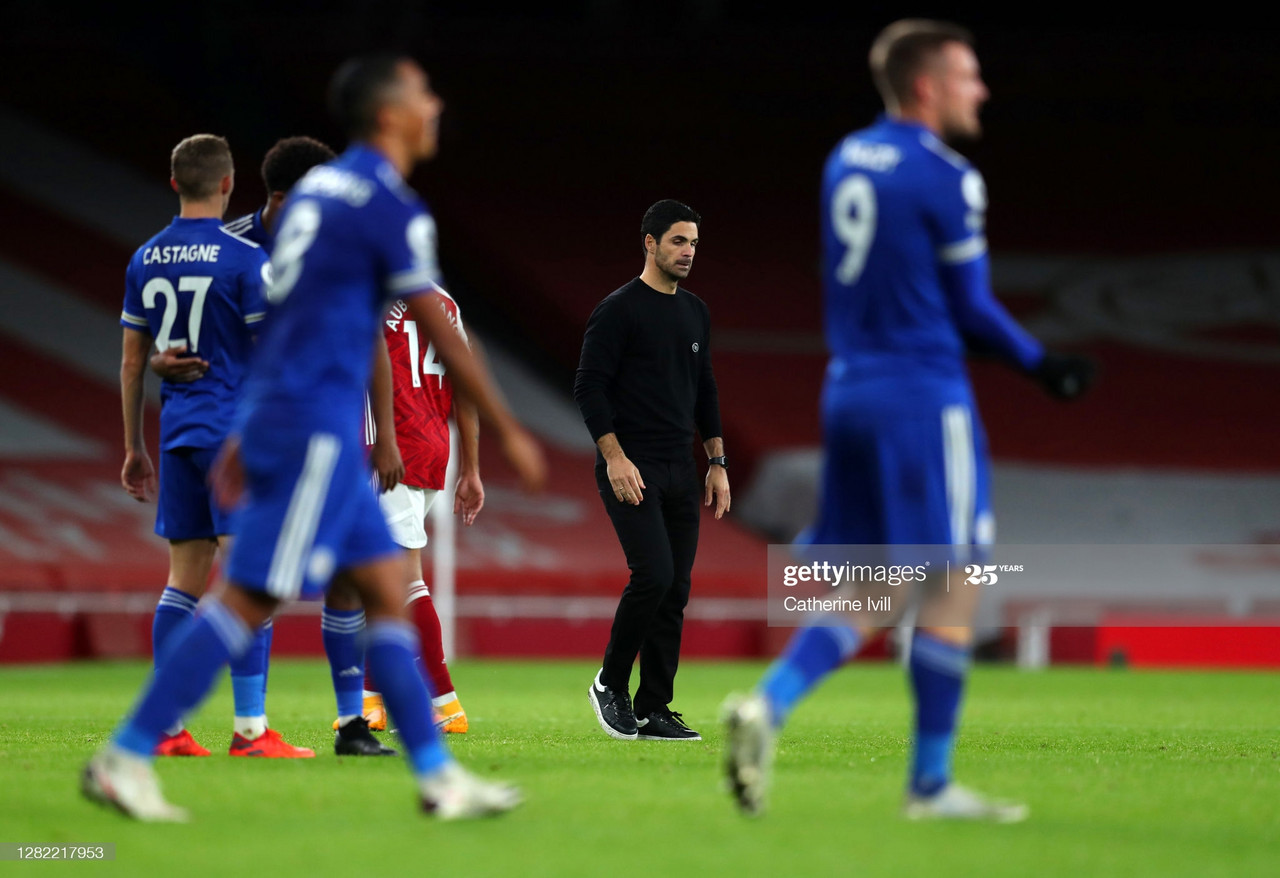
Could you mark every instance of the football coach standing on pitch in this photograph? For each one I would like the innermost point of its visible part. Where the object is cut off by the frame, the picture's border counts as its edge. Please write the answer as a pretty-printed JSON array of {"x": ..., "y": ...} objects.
[{"x": 644, "y": 383}]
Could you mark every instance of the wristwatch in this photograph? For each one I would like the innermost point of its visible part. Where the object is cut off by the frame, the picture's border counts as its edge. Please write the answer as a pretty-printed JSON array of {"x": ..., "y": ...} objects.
[{"x": 719, "y": 461}]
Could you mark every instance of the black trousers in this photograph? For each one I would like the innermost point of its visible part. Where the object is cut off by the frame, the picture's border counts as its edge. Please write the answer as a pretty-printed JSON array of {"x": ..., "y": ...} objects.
[{"x": 660, "y": 539}]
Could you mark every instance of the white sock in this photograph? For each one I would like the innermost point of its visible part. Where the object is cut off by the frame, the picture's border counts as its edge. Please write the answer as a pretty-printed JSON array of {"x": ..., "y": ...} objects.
[
  {"x": 369, "y": 693},
  {"x": 442, "y": 700},
  {"x": 251, "y": 727},
  {"x": 417, "y": 591},
  {"x": 117, "y": 752},
  {"x": 346, "y": 718},
  {"x": 432, "y": 785},
  {"x": 175, "y": 729}
]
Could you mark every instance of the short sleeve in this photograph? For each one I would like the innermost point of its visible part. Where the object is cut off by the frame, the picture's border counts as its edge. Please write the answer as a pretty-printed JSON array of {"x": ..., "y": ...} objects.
[
  {"x": 133, "y": 315},
  {"x": 253, "y": 288},
  {"x": 408, "y": 243},
  {"x": 461, "y": 331},
  {"x": 960, "y": 217}
]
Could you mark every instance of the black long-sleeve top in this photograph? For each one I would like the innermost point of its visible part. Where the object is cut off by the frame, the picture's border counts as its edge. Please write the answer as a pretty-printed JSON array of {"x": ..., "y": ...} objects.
[{"x": 645, "y": 372}]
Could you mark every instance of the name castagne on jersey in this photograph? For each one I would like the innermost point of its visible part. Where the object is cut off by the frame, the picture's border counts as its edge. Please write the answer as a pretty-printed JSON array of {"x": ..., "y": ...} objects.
[{"x": 186, "y": 253}]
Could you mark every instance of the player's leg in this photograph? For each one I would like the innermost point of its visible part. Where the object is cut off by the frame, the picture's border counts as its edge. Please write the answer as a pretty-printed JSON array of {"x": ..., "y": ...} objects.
[
  {"x": 120, "y": 774},
  {"x": 447, "y": 790},
  {"x": 404, "y": 511},
  {"x": 201, "y": 514},
  {"x": 343, "y": 631},
  {"x": 851, "y": 512},
  {"x": 644, "y": 540},
  {"x": 660, "y": 651},
  {"x": 942, "y": 644},
  {"x": 182, "y": 517},
  {"x": 445, "y": 704},
  {"x": 249, "y": 680},
  {"x": 405, "y": 508},
  {"x": 190, "y": 561},
  {"x": 342, "y": 624}
]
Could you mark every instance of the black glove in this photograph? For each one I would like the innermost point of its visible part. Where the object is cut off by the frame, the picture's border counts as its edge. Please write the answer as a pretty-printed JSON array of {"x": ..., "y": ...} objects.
[{"x": 1065, "y": 376}]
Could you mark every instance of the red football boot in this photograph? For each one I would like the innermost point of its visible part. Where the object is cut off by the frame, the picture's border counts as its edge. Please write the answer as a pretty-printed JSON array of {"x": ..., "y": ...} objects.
[
  {"x": 269, "y": 745},
  {"x": 181, "y": 744}
]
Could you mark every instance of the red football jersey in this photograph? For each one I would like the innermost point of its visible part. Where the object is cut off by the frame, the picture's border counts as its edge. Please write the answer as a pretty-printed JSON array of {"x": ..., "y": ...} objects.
[{"x": 421, "y": 392}]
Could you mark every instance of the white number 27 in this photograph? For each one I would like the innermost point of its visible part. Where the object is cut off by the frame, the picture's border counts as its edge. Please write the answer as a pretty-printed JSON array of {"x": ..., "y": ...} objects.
[
  {"x": 159, "y": 286},
  {"x": 853, "y": 220}
]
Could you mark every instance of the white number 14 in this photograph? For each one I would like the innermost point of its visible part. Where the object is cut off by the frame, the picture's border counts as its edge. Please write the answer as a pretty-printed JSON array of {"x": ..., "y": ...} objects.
[{"x": 430, "y": 365}]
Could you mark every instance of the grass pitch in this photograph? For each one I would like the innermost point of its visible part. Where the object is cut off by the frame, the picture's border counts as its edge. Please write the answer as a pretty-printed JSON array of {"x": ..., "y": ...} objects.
[{"x": 1127, "y": 773}]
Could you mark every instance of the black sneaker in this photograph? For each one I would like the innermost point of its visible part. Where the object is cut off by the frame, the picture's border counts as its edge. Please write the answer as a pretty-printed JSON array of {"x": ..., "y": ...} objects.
[
  {"x": 665, "y": 725},
  {"x": 355, "y": 739},
  {"x": 613, "y": 710}
]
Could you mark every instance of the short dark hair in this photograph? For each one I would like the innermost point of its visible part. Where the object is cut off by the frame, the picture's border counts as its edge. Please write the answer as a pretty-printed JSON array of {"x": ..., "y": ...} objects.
[
  {"x": 902, "y": 50},
  {"x": 291, "y": 158},
  {"x": 198, "y": 165},
  {"x": 361, "y": 87},
  {"x": 663, "y": 215}
]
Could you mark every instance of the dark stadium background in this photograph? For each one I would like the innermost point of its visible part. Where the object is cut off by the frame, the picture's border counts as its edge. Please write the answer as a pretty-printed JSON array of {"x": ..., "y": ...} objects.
[{"x": 1106, "y": 135}]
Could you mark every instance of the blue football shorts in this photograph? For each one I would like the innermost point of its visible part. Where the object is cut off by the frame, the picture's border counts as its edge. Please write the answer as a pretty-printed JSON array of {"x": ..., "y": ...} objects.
[
  {"x": 905, "y": 463},
  {"x": 309, "y": 513},
  {"x": 186, "y": 509}
]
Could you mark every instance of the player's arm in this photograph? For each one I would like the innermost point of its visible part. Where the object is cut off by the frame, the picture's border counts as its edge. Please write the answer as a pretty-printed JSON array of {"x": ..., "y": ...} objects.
[
  {"x": 138, "y": 474},
  {"x": 472, "y": 380},
  {"x": 468, "y": 494},
  {"x": 384, "y": 457},
  {"x": 177, "y": 365},
  {"x": 707, "y": 417},
  {"x": 965, "y": 272},
  {"x": 982, "y": 320},
  {"x": 602, "y": 348},
  {"x": 468, "y": 497},
  {"x": 990, "y": 329}
]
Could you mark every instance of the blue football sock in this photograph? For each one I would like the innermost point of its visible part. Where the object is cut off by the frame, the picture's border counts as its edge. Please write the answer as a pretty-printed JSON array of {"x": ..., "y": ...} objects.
[
  {"x": 174, "y": 608},
  {"x": 391, "y": 647},
  {"x": 341, "y": 630},
  {"x": 196, "y": 653},
  {"x": 938, "y": 671},
  {"x": 268, "y": 633},
  {"x": 812, "y": 653},
  {"x": 249, "y": 675}
]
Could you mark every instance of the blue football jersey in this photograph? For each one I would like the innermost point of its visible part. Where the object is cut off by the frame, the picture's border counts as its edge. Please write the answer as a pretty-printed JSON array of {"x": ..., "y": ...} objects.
[
  {"x": 904, "y": 257},
  {"x": 198, "y": 285},
  {"x": 250, "y": 226},
  {"x": 351, "y": 235}
]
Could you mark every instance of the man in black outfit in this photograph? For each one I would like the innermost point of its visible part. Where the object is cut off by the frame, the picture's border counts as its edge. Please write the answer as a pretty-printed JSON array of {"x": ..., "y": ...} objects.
[{"x": 644, "y": 383}]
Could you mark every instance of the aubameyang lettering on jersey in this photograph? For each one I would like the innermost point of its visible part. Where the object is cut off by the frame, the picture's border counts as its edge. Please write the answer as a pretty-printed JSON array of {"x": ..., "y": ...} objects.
[
  {"x": 336, "y": 183},
  {"x": 184, "y": 253},
  {"x": 399, "y": 310},
  {"x": 883, "y": 157}
]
